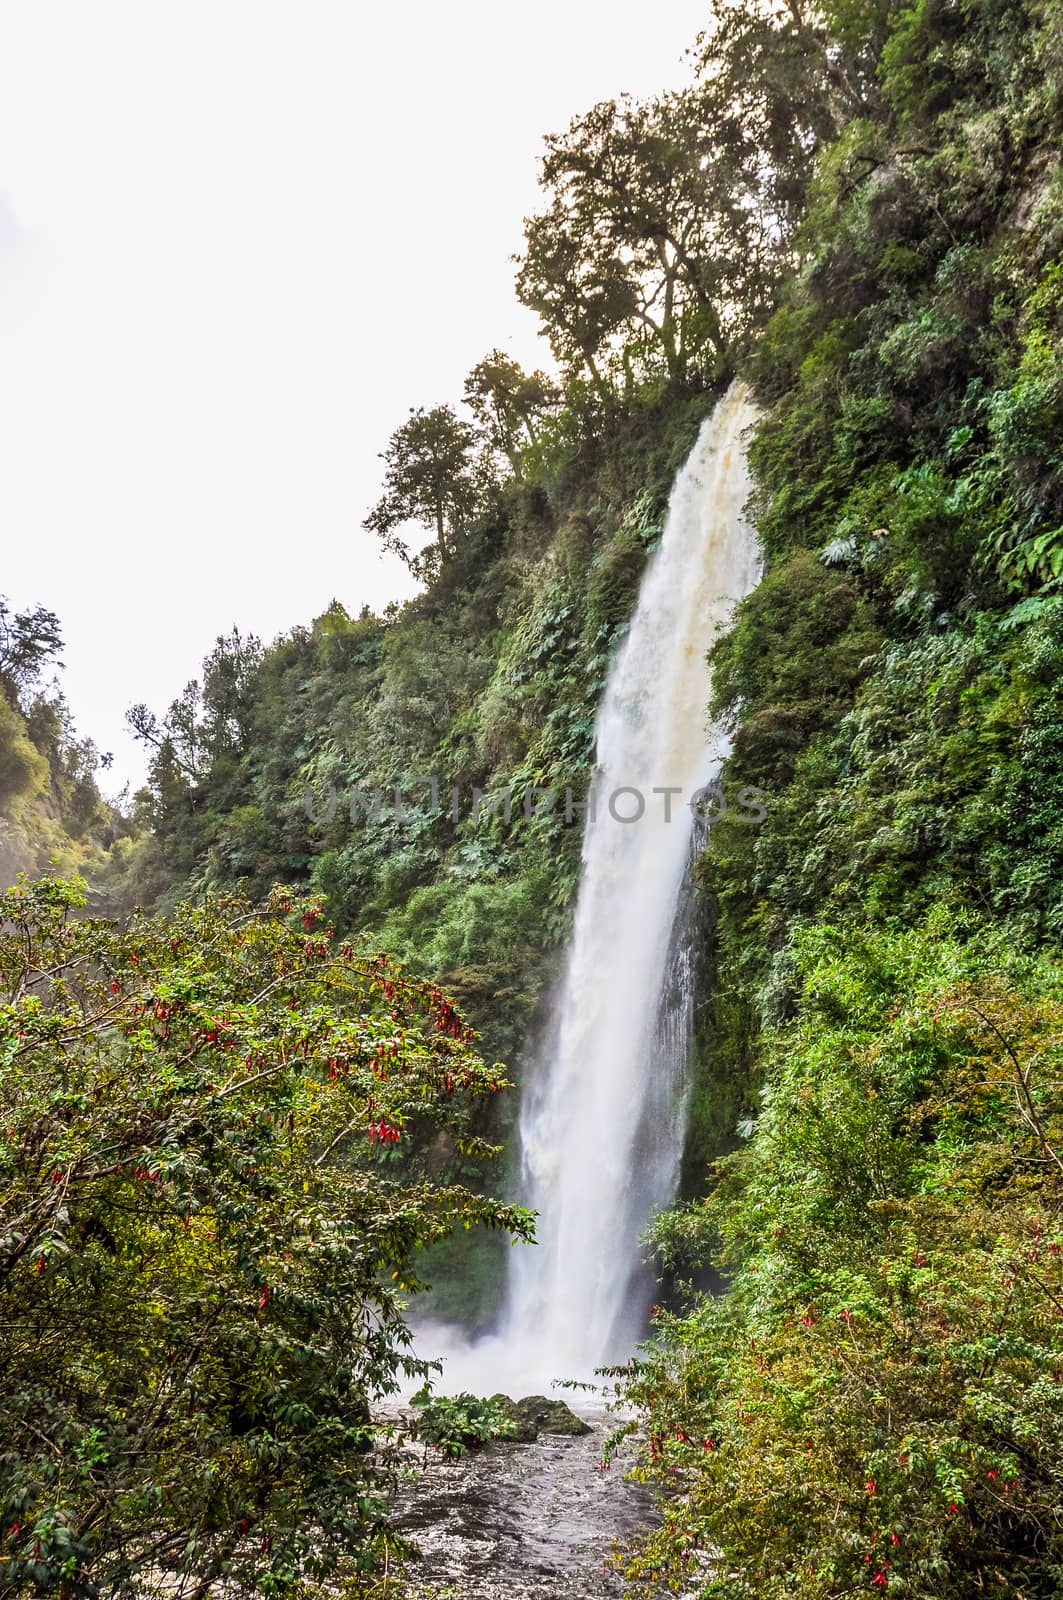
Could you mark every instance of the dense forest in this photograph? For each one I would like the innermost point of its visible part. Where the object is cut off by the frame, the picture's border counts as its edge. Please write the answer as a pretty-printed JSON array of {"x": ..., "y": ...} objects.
[{"x": 857, "y": 209}]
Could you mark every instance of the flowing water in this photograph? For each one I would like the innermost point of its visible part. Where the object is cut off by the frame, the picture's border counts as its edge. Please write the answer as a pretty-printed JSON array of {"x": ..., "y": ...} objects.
[
  {"x": 522, "y": 1521},
  {"x": 601, "y": 1121},
  {"x": 601, "y": 1125}
]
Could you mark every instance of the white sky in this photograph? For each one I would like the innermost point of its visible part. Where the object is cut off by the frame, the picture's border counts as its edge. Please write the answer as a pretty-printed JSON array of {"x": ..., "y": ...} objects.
[{"x": 238, "y": 241}]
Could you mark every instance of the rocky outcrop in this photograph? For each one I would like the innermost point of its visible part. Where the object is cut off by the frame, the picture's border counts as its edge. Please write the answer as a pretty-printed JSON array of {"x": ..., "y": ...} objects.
[{"x": 537, "y": 1414}]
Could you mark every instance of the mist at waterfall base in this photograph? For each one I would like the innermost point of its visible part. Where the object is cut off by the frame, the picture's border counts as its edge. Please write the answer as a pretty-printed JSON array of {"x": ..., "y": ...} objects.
[{"x": 603, "y": 1109}]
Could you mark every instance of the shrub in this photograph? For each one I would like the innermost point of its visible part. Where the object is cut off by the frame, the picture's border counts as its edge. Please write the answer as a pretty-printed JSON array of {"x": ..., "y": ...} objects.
[
  {"x": 877, "y": 1403},
  {"x": 459, "y": 1423},
  {"x": 205, "y": 1229}
]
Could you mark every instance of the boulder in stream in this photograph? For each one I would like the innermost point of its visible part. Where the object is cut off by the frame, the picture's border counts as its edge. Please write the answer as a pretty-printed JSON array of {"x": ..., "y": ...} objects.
[
  {"x": 551, "y": 1416},
  {"x": 537, "y": 1414},
  {"x": 523, "y": 1429}
]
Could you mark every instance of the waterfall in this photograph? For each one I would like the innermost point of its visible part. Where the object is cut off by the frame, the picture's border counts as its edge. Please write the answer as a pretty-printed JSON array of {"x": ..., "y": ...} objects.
[
  {"x": 602, "y": 1120},
  {"x": 601, "y": 1123}
]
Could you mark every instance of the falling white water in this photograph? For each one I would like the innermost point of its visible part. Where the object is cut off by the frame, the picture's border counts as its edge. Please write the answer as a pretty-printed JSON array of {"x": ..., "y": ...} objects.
[{"x": 601, "y": 1123}]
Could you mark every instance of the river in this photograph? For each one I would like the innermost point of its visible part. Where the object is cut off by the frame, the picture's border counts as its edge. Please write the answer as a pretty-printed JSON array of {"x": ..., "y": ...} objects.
[{"x": 522, "y": 1521}]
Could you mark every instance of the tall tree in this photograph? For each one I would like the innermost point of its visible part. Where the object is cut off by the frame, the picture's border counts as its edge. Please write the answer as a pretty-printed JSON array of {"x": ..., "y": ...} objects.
[
  {"x": 204, "y": 724},
  {"x": 508, "y": 403},
  {"x": 668, "y": 225},
  {"x": 649, "y": 253},
  {"x": 28, "y": 641},
  {"x": 773, "y": 86},
  {"x": 436, "y": 476}
]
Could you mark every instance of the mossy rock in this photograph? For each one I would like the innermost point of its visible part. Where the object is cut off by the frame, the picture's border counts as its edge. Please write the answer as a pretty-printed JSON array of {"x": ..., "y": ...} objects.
[
  {"x": 524, "y": 1429},
  {"x": 550, "y": 1416},
  {"x": 537, "y": 1414}
]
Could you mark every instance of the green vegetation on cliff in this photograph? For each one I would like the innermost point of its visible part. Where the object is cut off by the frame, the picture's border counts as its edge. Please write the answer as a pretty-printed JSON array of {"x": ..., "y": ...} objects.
[
  {"x": 874, "y": 1403},
  {"x": 52, "y": 817}
]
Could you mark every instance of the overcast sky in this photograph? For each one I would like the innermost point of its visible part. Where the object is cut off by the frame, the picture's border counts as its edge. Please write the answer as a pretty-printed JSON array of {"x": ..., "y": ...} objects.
[{"x": 237, "y": 242}]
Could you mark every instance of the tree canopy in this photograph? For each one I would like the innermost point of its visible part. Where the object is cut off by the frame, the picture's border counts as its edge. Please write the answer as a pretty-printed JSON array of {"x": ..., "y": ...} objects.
[
  {"x": 28, "y": 641},
  {"x": 508, "y": 404},
  {"x": 437, "y": 476},
  {"x": 668, "y": 225}
]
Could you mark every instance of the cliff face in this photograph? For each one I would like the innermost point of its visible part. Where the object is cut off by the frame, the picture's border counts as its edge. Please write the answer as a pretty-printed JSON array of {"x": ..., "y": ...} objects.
[
  {"x": 872, "y": 1403},
  {"x": 895, "y": 680}
]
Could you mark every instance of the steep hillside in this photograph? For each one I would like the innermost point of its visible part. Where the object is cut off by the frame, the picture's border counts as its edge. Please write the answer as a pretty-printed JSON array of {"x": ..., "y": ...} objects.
[
  {"x": 892, "y": 681},
  {"x": 874, "y": 1404},
  {"x": 52, "y": 817},
  {"x": 657, "y": 255}
]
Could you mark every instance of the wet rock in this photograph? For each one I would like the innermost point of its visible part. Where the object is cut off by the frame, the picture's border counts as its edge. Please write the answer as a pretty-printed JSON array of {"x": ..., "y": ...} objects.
[
  {"x": 522, "y": 1522},
  {"x": 524, "y": 1429},
  {"x": 550, "y": 1416},
  {"x": 536, "y": 1414}
]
